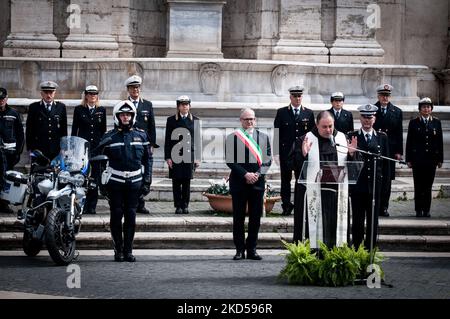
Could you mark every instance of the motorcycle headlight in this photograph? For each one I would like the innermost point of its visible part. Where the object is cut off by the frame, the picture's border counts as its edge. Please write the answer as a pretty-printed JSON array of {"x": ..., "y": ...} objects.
[
  {"x": 63, "y": 177},
  {"x": 78, "y": 180}
]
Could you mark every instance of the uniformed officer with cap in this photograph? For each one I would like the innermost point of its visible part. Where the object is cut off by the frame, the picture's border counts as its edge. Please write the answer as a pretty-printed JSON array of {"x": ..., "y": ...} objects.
[
  {"x": 424, "y": 151},
  {"x": 389, "y": 119},
  {"x": 291, "y": 122},
  {"x": 11, "y": 133},
  {"x": 130, "y": 169},
  {"x": 46, "y": 122},
  {"x": 145, "y": 120},
  {"x": 343, "y": 119},
  {"x": 362, "y": 192},
  {"x": 183, "y": 161},
  {"x": 89, "y": 122}
]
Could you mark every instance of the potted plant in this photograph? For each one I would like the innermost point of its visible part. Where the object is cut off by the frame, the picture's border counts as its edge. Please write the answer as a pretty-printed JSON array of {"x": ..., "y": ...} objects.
[{"x": 219, "y": 197}]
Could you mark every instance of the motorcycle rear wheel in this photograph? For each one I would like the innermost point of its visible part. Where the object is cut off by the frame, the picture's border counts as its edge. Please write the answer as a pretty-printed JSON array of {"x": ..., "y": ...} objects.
[{"x": 59, "y": 241}]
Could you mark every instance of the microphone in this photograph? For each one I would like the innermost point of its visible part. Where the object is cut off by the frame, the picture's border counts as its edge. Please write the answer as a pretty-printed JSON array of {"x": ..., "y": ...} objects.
[{"x": 331, "y": 138}]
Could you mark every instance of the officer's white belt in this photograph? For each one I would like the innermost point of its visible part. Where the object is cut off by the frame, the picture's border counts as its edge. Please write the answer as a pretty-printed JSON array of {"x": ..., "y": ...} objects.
[{"x": 126, "y": 174}]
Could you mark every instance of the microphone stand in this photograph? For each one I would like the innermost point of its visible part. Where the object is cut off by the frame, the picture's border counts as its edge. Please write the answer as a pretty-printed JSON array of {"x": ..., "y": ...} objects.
[{"x": 375, "y": 157}]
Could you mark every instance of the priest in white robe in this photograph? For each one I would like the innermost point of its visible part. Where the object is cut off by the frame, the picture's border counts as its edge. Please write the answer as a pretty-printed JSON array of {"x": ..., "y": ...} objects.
[{"x": 326, "y": 204}]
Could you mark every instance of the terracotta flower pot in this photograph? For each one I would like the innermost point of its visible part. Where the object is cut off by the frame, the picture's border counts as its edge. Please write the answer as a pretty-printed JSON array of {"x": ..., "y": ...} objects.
[{"x": 223, "y": 203}]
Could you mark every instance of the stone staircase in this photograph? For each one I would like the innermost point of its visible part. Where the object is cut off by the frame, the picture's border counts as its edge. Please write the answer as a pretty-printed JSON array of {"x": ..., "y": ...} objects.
[{"x": 213, "y": 232}]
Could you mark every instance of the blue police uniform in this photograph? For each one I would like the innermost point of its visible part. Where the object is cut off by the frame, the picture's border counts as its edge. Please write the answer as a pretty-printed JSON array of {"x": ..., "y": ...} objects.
[{"x": 130, "y": 161}]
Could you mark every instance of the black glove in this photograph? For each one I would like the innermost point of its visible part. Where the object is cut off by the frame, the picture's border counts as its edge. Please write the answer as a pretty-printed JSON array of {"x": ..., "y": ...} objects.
[{"x": 103, "y": 190}]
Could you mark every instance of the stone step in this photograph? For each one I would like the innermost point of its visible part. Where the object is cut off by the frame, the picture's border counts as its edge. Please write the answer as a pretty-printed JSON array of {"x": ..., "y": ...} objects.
[
  {"x": 219, "y": 240},
  {"x": 391, "y": 226}
]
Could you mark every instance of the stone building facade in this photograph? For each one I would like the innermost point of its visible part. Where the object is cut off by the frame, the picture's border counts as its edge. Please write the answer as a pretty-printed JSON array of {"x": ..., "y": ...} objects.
[{"x": 386, "y": 32}]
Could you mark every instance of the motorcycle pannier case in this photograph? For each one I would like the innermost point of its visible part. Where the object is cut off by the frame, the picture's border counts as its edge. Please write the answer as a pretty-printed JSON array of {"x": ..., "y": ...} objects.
[{"x": 15, "y": 187}]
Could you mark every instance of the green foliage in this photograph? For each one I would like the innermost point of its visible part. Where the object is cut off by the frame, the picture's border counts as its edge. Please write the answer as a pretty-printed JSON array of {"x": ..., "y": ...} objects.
[
  {"x": 402, "y": 198},
  {"x": 302, "y": 265},
  {"x": 218, "y": 189},
  {"x": 223, "y": 189},
  {"x": 337, "y": 266}
]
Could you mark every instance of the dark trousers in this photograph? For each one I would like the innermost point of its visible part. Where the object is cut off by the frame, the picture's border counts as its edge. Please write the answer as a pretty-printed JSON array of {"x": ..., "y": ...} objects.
[
  {"x": 181, "y": 192},
  {"x": 92, "y": 194},
  {"x": 123, "y": 201},
  {"x": 423, "y": 175},
  {"x": 91, "y": 200},
  {"x": 386, "y": 194},
  {"x": 285, "y": 191},
  {"x": 362, "y": 210},
  {"x": 299, "y": 200},
  {"x": 254, "y": 199},
  {"x": 329, "y": 215},
  {"x": 141, "y": 202}
]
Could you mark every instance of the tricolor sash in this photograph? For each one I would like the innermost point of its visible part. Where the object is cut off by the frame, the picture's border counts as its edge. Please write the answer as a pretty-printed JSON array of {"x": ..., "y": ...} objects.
[{"x": 251, "y": 144}]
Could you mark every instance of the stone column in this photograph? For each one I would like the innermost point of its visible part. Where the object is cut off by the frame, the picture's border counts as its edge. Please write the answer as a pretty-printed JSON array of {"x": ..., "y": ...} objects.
[
  {"x": 299, "y": 32},
  {"x": 356, "y": 23},
  {"x": 121, "y": 27},
  {"x": 92, "y": 38},
  {"x": 31, "y": 30},
  {"x": 194, "y": 28}
]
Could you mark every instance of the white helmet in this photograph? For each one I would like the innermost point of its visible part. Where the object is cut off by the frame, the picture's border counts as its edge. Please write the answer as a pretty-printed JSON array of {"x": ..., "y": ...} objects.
[{"x": 125, "y": 106}]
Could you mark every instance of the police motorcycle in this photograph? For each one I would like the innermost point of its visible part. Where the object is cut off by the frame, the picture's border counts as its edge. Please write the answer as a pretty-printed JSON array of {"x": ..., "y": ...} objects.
[{"x": 53, "y": 200}]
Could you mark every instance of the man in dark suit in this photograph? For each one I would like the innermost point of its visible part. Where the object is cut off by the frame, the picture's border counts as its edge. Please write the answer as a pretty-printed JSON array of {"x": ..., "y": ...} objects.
[
  {"x": 362, "y": 192},
  {"x": 291, "y": 122},
  {"x": 389, "y": 119},
  {"x": 182, "y": 129},
  {"x": 248, "y": 155},
  {"x": 424, "y": 151},
  {"x": 46, "y": 122},
  {"x": 145, "y": 120},
  {"x": 343, "y": 119}
]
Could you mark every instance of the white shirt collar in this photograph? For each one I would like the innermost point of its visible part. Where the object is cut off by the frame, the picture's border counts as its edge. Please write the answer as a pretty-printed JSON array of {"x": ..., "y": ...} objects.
[{"x": 372, "y": 132}]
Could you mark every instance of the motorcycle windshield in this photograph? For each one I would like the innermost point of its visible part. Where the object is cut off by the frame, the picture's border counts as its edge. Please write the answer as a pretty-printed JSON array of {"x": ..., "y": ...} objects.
[{"x": 74, "y": 154}]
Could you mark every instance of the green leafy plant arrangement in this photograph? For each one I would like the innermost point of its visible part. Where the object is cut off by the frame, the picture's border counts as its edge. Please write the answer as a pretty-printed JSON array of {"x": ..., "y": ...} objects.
[
  {"x": 337, "y": 266},
  {"x": 363, "y": 257},
  {"x": 302, "y": 264},
  {"x": 218, "y": 188},
  {"x": 222, "y": 188}
]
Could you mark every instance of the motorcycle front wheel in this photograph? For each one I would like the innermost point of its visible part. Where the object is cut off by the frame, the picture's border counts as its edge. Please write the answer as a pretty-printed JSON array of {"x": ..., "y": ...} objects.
[
  {"x": 31, "y": 247},
  {"x": 59, "y": 240}
]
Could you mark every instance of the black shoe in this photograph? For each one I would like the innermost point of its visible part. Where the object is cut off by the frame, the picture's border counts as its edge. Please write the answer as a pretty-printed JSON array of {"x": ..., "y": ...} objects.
[
  {"x": 185, "y": 210},
  {"x": 143, "y": 211},
  {"x": 384, "y": 213},
  {"x": 419, "y": 214},
  {"x": 240, "y": 254},
  {"x": 253, "y": 255},
  {"x": 130, "y": 258},
  {"x": 426, "y": 214},
  {"x": 287, "y": 210},
  {"x": 118, "y": 257},
  {"x": 178, "y": 211}
]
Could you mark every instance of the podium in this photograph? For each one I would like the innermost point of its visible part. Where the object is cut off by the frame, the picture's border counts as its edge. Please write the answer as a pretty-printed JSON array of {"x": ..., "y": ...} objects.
[{"x": 327, "y": 182}]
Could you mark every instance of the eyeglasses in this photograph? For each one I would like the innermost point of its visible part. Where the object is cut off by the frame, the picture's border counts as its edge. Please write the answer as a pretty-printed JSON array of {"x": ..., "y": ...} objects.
[{"x": 248, "y": 119}]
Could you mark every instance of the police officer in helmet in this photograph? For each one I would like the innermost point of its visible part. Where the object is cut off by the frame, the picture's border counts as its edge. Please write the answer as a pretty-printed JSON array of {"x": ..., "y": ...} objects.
[{"x": 129, "y": 175}]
